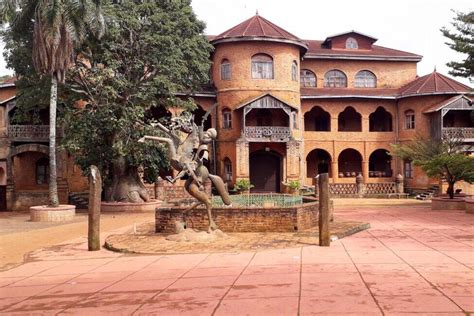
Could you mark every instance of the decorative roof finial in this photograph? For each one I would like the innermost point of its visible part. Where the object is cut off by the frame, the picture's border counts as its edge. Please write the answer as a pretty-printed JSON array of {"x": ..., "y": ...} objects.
[
  {"x": 256, "y": 12},
  {"x": 434, "y": 69}
]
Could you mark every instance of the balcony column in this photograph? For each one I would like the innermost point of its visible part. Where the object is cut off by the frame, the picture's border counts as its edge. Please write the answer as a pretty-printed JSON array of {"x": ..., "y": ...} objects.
[
  {"x": 365, "y": 170},
  {"x": 242, "y": 161},
  {"x": 10, "y": 194},
  {"x": 334, "y": 171},
  {"x": 293, "y": 159}
]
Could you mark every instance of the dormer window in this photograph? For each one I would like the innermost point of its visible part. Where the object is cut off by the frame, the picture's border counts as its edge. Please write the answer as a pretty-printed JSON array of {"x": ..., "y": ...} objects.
[
  {"x": 262, "y": 67},
  {"x": 351, "y": 43}
]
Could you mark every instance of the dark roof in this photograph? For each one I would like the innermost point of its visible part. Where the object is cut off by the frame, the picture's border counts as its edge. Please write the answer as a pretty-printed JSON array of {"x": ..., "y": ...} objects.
[
  {"x": 434, "y": 83},
  {"x": 317, "y": 50},
  {"x": 257, "y": 27}
]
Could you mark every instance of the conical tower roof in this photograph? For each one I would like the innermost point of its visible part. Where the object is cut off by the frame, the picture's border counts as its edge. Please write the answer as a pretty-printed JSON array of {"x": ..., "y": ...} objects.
[{"x": 433, "y": 83}]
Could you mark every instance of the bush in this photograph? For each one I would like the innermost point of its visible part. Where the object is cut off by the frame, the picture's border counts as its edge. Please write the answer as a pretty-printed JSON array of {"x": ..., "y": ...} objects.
[{"x": 242, "y": 185}]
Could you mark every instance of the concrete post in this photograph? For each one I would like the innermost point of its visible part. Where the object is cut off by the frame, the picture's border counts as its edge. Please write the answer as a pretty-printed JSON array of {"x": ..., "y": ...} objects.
[
  {"x": 324, "y": 210},
  {"x": 360, "y": 185},
  {"x": 159, "y": 189},
  {"x": 95, "y": 191},
  {"x": 399, "y": 184}
]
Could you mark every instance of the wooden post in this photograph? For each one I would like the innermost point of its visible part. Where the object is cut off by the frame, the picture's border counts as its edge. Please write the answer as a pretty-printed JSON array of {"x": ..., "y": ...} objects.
[
  {"x": 95, "y": 191},
  {"x": 324, "y": 216}
]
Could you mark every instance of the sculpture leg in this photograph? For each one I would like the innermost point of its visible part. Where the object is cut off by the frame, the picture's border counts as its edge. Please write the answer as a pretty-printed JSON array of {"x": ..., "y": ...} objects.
[{"x": 193, "y": 189}]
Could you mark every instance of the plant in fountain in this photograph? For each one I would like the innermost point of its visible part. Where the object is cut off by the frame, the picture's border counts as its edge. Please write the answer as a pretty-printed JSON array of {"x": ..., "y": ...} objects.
[
  {"x": 442, "y": 159},
  {"x": 243, "y": 186},
  {"x": 152, "y": 51}
]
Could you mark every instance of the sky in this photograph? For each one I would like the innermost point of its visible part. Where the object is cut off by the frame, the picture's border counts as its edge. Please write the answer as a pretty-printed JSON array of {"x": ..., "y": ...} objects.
[{"x": 408, "y": 25}]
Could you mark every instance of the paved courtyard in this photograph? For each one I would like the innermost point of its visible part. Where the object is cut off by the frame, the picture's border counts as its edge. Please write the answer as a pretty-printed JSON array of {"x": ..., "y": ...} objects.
[{"x": 412, "y": 260}]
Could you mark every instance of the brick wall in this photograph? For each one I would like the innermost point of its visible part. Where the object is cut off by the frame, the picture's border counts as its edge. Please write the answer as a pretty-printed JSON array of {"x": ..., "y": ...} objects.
[{"x": 276, "y": 219}]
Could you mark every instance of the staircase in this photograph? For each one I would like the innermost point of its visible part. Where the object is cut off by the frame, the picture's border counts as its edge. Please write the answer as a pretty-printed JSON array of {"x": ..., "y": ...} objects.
[
  {"x": 79, "y": 199},
  {"x": 427, "y": 194}
]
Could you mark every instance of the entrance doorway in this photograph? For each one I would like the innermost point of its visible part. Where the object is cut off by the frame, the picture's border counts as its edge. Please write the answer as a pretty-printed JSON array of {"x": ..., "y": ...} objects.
[{"x": 265, "y": 171}]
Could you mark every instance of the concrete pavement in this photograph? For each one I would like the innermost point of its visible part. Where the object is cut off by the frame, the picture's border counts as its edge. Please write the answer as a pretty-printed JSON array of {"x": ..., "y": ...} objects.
[{"x": 412, "y": 261}]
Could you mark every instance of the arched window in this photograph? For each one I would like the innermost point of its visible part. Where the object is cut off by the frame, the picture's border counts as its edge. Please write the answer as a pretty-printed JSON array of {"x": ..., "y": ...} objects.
[
  {"x": 317, "y": 120},
  {"x": 351, "y": 43},
  {"x": 365, "y": 79},
  {"x": 225, "y": 70},
  {"x": 227, "y": 169},
  {"x": 410, "y": 119},
  {"x": 294, "y": 71},
  {"x": 42, "y": 171},
  {"x": 262, "y": 67},
  {"x": 335, "y": 79},
  {"x": 380, "y": 120},
  {"x": 349, "y": 120},
  {"x": 307, "y": 78},
  {"x": 226, "y": 118}
]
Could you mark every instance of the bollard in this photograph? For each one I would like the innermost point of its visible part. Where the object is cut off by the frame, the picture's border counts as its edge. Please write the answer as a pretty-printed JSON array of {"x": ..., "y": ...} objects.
[
  {"x": 399, "y": 184},
  {"x": 324, "y": 216},
  {"x": 95, "y": 191}
]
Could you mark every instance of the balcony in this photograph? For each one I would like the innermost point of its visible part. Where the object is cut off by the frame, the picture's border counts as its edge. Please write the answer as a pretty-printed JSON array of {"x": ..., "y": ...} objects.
[
  {"x": 464, "y": 133},
  {"x": 28, "y": 133},
  {"x": 267, "y": 133}
]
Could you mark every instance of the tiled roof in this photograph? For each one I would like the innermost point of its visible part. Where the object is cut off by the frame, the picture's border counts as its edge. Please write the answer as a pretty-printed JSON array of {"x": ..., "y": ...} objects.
[
  {"x": 316, "y": 49},
  {"x": 257, "y": 27},
  {"x": 434, "y": 83},
  {"x": 438, "y": 106}
]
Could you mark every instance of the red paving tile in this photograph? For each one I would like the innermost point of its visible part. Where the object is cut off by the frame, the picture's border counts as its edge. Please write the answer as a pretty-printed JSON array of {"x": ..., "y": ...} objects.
[{"x": 412, "y": 261}]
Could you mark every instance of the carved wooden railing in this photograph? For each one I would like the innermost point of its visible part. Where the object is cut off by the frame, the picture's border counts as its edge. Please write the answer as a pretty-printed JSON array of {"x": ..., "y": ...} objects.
[
  {"x": 28, "y": 132},
  {"x": 459, "y": 132},
  {"x": 267, "y": 133}
]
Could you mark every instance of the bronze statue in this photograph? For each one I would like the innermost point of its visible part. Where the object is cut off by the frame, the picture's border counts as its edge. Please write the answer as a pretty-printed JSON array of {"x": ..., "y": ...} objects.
[{"x": 188, "y": 156}]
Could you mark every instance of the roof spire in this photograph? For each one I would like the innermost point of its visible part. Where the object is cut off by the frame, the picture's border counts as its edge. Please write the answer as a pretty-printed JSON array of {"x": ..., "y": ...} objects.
[
  {"x": 256, "y": 12},
  {"x": 434, "y": 69}
]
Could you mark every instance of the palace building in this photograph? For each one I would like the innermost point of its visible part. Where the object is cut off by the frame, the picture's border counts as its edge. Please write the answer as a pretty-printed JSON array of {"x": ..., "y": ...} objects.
[{"x": 288, "y": 109}]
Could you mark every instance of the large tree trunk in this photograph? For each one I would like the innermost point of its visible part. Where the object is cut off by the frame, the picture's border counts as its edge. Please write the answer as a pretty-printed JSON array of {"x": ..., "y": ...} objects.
[
  {"x": 450, "y": 190},
  {"x": 53, "y": 184},
  {"x": 126, "y": 184}
]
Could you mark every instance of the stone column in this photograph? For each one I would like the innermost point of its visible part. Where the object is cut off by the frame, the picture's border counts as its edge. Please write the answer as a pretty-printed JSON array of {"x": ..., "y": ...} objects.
[
  {"x": 293, "y": 159},
  {"x": 399, "y": 184},
  {"x": 365, "y": 170},
  {"x": 360, "y": 185},
  {"x": 324, "y": 210},
  {"x": 242, "y": 161}
]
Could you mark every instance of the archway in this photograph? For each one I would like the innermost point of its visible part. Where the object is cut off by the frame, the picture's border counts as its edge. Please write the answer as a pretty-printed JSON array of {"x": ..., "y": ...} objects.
[
  {"x": 3, "y": 190},
  {"x": 380, "y": 121},
  {"x": 317, "y": 120},
  {"x": 349, "y": 120},
  {"x": 380, "y": 164},
  {"x": 265, "y": 171},
  {"x": 349, "y": 163},
  {"x": 318, "y": 161}
]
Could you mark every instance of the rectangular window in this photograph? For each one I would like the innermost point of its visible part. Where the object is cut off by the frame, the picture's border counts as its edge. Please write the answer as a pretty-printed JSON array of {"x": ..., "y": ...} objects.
[
  {"x": 225, "y": 71},
  {"x": 262, "y": 70},
  {"x": 410, "y": 121},
  {"x": 227, "y": 119},
  {"x": 408, "y": 169}
]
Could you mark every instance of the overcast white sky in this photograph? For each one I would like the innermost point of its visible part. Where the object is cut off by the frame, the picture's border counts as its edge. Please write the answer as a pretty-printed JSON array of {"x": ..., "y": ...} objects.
[{"x": 409, "y": 25}]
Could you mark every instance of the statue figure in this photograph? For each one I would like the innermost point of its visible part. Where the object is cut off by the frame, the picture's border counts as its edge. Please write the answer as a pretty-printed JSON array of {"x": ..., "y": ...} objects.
[{"x": 188, "y": 156}]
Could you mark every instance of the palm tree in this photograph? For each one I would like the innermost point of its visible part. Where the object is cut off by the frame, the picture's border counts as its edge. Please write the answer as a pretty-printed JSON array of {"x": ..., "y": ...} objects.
[{"x": 59, "y": 27}]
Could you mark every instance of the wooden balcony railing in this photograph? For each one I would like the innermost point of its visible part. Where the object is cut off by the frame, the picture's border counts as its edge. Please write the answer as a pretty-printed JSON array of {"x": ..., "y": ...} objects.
[
  {"x": 464, "y": 133},
  {"x": 25, "y": 133},
  {"x": 267, "y": 133}
]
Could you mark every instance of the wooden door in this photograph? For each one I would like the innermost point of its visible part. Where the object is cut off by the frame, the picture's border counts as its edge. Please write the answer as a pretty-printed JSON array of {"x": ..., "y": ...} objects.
[{"x": 265, "y": 172}]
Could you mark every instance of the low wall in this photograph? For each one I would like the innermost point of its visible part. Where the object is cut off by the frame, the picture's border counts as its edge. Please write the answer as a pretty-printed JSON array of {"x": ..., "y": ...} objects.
[
  {"x": 469, "y": 204},
  {"x": 444, "y": 203},
  {"x": 23, "y": 200},
  {"x": 233, "y": 219}
]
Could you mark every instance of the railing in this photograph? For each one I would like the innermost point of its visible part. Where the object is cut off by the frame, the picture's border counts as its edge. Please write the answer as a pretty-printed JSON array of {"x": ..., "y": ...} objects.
[
  {"x": 267, "y": 133},
  {"x": 465, "y": 133},
  {"x": 260, "y": 200},
  {"x": 28, "y": 132}
]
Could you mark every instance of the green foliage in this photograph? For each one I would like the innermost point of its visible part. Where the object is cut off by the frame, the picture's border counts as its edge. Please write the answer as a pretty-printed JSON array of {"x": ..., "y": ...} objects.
[
  {"x": 151, "y": 51},
  {"x": 462, "y": 41},
  {"x": 242, "y": 185},
  {"x": 294, "y": 185},
  {"x": 439, "y": 159}
]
